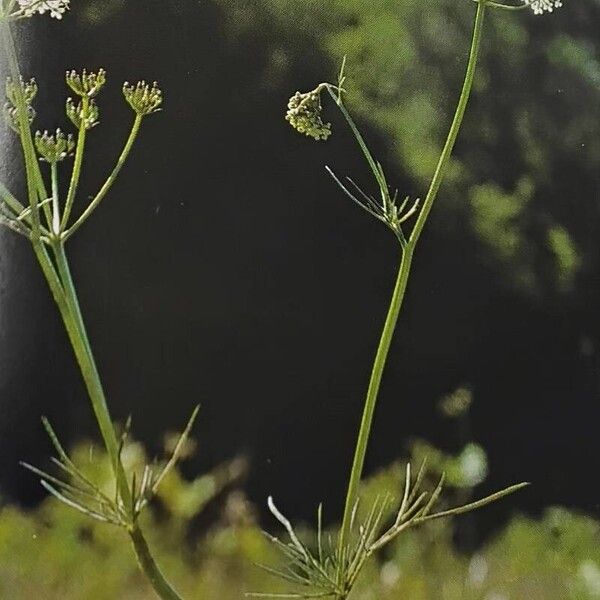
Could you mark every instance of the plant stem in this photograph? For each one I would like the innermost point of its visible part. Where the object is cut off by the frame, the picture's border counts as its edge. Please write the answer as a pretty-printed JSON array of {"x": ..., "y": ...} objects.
[
  {"x": 77, "y": 163},
  {"x": 398, "y": 295},
  {"x": 64, "y": 293},
  {"x": 24, "y": 128},
  {"x": 83, "y": 353},
  {"x": 373, "y": 391},
  {"x": 135, "y": 128},
  {"x": 55, "y": 225},
  {"x": 455, "y": 126},
  {"x": 149, "y": 567},
  {"x": 71, "y": 313}
]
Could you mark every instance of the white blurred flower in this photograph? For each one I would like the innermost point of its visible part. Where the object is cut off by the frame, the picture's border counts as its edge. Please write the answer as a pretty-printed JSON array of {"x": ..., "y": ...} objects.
[
  {"x": 389, "y": 574},
  {"x": 473, "y": 465},
  {"x": 539, "y": 7},
  {"x": 478, "y": 570},
  {"x": 589, "y": 578},
  {"x": 56, "y": 8}
]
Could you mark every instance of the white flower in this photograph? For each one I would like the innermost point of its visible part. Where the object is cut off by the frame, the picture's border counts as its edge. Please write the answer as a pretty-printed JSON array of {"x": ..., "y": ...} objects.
[
  {"x": 56, "y": 7},
  {"x": 541, "y": 6}
]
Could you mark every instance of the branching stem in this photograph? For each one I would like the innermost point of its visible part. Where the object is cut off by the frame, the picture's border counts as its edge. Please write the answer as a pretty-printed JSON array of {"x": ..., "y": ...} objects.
[
  {"x": 58, "y": 276},
  {"x": 135, "y": 128},
  {"x": 77, "y": 164},
  {"x": 399, "y": 291}
]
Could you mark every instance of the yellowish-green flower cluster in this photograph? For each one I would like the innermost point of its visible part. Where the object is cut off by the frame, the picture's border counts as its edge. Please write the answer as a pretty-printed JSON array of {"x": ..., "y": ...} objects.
[
  {"x": 28, "y": 89},
  {"x": 54, "y": 147},
  {"x": 86, "y": 84},
  {"x": 304, "y": 114},
  {"x": 82, "y": 114},
  {"x": 143, "y": 98}
]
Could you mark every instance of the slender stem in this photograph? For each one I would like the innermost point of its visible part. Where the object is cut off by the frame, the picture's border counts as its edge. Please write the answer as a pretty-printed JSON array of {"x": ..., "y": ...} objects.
[
  {"x": 10, "y": 6},
  {"x": 45, "y": 205},
  {"x": 506, "y": 6},
  {"x": 357, "y": 134},
  {"x": 35, "y": 183},
  {"x": 56, "y": 288},
  {"x": 398, "y": 295},
  {"x": 24, "y": 128},
  {"x": 110, "y": 180},
  {"x": 455, "y": 126},
  {"x": 58, "y": 276},
  {"x": 77, "y": 163},
  {"x": 14, "y": 206},
  {"x": 148, "y": 565},
  {"x": 83, "y": 352},
  {"x": 85, "y": 358},
  {"x": 373, "y": 391},
  {"x": 55, "y": 227}
]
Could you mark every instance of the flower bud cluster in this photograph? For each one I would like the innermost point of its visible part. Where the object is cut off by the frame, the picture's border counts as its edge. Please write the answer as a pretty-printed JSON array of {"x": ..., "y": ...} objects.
[
  {"x": 82, "y": 114},
  {"x": 304, "y": 114},
  {"x": 87, "y": 84},
  {"x": 28, "y": 90},
  {"x": 54, "y": 147},
  {"x": 56, "y": 8},
  {"x": 541, "y": 6},
  {"x": 143, "y": 98}
]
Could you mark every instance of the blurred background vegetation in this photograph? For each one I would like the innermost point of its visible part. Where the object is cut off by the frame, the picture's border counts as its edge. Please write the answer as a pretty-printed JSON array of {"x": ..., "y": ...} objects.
[
  {"x": 227, "y": 269},
  {"x": 207, "y": 537}
]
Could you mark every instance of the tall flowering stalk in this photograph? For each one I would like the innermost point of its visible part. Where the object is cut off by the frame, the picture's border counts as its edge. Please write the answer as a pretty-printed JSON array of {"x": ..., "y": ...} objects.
[
  {"x": 332, "y": 572},
  {"x": 48, "y": 221}
]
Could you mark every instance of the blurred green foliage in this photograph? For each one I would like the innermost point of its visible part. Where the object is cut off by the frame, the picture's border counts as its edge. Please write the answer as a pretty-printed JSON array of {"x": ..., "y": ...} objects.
[{"x": 207, "y": 536}]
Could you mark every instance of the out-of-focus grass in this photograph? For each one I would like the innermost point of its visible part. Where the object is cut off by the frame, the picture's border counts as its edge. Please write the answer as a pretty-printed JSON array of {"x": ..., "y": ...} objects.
[{"x": 53, "y": 552}]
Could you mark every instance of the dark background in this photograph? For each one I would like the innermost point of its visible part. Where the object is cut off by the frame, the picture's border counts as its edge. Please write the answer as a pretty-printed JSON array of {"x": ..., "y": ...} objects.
[{"x": 226, "y": 268}]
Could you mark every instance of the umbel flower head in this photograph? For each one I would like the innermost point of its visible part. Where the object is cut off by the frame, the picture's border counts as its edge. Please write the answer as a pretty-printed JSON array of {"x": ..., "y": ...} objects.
[
  {"x": 54, "y": 147},
  {"x": 56, "y": 8},
  {"x": 29, "y": 90},
  {"x": 539, "y": 7},
  {"x": 82, "y": 116},
  {"x": 87, "y": 84},
  {"x": 304, "y": 114},
  {"x": 143, "y": 98}
]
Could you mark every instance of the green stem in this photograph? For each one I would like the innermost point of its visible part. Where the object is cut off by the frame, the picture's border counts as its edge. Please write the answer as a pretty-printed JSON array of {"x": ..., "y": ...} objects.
[
  {"x": 63, "y": 291},
  {"x": 79, "y": 340},
  {"x": 398, "y": 296},
  {"x": 456, "y": 123},
  {"x": 55, "y": 225},
  {"x": 109, "y": 181},
  {"x": 77, "y": 164},
  {"x": 45, "y": 205},
  {"x": 148, "y": 565},
  {"x": 8, "y": 9},
  {"x": 83, "y": 353},
  {"x": 372, "y": 393},
  {"x": 29, "y": 155},
  {"x": 506, "y": 6}
]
